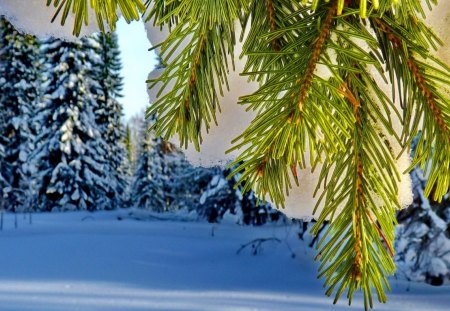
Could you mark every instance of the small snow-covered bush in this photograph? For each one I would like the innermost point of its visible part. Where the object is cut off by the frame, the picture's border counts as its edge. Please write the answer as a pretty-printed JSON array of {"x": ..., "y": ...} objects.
[{"x": 423, "y": 240}]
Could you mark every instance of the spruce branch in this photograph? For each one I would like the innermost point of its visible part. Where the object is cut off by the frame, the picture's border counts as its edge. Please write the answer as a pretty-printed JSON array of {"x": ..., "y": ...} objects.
[
  {"x": 162, "y": 12},
  {"x": 425, "y": 95},
  {"x": 307, "y": 109},
  {"x": 264, "y": 44},
  {"x": 105, "y": 11},
  {"x": 199, "y": 73},
  {"x": 316, "y": 52},
  {"x": 360, "y": 191},
  {"x": 352, "y": 254},
  {"x": 365, "y": 6},
  {"x": 272, "y": 22}
]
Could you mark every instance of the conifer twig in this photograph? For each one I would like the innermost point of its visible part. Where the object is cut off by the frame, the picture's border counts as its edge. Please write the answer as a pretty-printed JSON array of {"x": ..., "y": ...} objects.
[
  {"x": 425, "y": 97},
  {"x": 273, "y": 26},
  {"x": 388, "y": 245},
  {"x": 316, "y": 52}
]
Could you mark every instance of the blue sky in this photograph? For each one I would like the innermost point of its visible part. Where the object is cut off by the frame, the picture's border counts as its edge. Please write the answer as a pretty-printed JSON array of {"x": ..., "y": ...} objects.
[{"x": 137, "y": 63}]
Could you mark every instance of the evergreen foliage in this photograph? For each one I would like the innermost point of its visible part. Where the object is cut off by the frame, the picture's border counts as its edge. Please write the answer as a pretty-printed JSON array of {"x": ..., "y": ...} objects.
[
  {"x": 156, "y": 183},
  {"x": 185, "y": 183},
  {"x": 164, "y": 181},
  {"x": 423, "y": 237},
  {"x": 70, "y": 153},
  {"x": 129, "y": 145},
  {"x": 106, "y": 11},
  {"x": 194, "y": 99},
  {"x": 19, "y": 92},
  {"x": 220, "y": 197},
  {"x": 145, "y": 192},
  {"x": 105, "y": 85}
]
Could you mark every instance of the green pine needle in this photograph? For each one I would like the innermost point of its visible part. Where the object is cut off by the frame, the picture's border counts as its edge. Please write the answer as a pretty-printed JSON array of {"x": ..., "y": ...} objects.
[{"x": 105, "y": 11}]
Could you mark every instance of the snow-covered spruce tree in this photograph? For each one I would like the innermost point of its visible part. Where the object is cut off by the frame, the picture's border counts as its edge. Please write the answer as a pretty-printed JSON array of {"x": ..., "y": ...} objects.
[
  {"x": 423, "y": 237},
  {"x": 136, "y": 126},
  {"x": 220, "y": 196},
  {"x": 129, "y": 147},
  {"x": 321, "y": 104},
  {"x": 4, "y": 185},
  {"x": 163, "y": 180},
  {"x": 105, "y": 85},
  {"x": 70, "y": 152},
  {"x": 423, "y": 240},
  {"x": 19, "y": 93},
  {"x": 146, "y": 192}
]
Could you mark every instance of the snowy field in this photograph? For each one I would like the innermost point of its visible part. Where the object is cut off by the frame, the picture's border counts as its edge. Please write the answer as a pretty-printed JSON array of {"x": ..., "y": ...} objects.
[{"x": 109, "y": 261}]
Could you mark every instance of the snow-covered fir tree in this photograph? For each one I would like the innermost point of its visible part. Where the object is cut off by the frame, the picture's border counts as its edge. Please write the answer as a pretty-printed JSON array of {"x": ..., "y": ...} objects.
[
  {"x": 162, "y": 180},
  {"x": 129, "y": 146},
  {"x": 165, "y": 181},
  {"x": 187, "y": 183},
  {"x": 106, "y": 85},
  {"x": 70, "y": 152},
  {"x": 136, "y": 124},
  {"x": 423, "y": 237},
  {"x": 147, "y": 188},
  {"x": 220, "y": 196},
  {"x": 19, "y": 93}
]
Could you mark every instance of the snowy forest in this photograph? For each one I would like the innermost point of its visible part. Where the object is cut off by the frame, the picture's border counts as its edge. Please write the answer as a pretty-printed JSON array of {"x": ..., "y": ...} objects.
[{"x": 65, "y": 146}]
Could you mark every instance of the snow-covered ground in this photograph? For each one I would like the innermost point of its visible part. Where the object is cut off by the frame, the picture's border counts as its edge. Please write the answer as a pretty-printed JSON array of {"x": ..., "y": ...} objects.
[{"x": 109, "y": 261}]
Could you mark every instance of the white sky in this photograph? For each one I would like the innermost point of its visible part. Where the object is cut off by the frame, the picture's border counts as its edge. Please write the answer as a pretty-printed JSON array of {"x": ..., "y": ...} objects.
[{"x": 137, "y": 62}]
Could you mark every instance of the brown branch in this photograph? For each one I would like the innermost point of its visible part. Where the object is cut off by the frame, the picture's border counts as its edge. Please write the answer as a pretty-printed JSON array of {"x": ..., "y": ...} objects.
[
  {"x": 430, "y": 99},
  {"x": 276, "y": 46},
  {"x": 359, "y": 194},
  {"x": 256, "y": 245},
  {"x": 359, "y": 198},
  {"x": 306, "y": 84},
  {"x": 195, "y": 66},
  {"x": 317, "y": 49},
  {"x": 416, "y": 72},
  {"x": 197, "y": 59},
  {"x": 356, "y": 267},
  {"x": 346, "y": 92}
]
